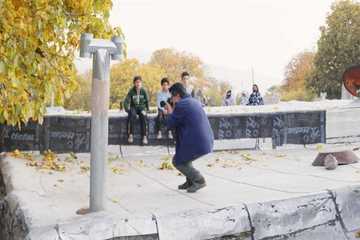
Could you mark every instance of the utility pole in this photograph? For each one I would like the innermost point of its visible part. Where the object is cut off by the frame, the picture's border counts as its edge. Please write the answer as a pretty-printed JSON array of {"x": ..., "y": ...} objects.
[
  {"x": 252, "y": 75},
  {"x": 101, "y": 51}
]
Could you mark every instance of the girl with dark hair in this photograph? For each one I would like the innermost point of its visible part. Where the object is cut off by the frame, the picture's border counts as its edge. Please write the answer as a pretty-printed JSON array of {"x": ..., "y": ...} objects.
[{"x": 255, "y": 97}]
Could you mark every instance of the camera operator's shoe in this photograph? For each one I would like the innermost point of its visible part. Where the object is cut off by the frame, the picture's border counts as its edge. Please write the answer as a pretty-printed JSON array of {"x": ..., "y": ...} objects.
[
  {"x": 196, "y": 186},
  {"x": 131, "y": 138},
  {"x": 170, "y": 135},
  {"x": 145, "y": 140},
  {"x": 185, "y": 185},
  {"x": 159, "y": 136}
]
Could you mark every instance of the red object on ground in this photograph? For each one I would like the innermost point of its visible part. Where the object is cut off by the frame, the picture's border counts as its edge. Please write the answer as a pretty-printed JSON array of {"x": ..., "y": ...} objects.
[{"x": 351, "y": 80}]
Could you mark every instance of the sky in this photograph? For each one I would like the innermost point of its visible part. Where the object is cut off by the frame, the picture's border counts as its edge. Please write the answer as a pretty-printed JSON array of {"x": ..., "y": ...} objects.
[{"x": 231, "y": 36}]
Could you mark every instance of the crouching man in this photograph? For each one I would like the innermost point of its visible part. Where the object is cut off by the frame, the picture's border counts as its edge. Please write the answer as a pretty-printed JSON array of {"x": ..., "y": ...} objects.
[{"x": 194, "y": 137}]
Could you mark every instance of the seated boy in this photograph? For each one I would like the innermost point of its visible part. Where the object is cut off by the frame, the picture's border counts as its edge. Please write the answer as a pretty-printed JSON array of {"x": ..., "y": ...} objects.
[
  {"x": 136, "y": 104},
  {"x": 162, "y": 96}
]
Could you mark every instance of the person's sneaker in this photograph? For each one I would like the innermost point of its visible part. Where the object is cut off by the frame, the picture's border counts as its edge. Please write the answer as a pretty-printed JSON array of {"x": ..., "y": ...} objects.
[
  {"x": 185, "y": 185},
  {"x": 131, "y": 138},
  {"x": 196, "y": 186},
  {"x": 145, "y": 140},
  {"x": 159, "y": 136},
  {"x": 170, "y": 135}
]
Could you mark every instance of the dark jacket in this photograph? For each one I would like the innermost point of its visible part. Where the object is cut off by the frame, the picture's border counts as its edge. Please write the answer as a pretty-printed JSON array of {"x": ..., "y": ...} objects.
[
  {"x": 194, "y": 136},
  {"x": 255, "y": 99},
  {"x": 139, "y": 102}
]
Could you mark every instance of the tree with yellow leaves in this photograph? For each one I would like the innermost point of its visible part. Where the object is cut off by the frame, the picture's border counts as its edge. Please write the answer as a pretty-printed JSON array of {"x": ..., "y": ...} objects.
[
  {"x": 298, "y": 71},
  {"x": 175, "y": 62},
  {"x": 38, "y": 41},
  {"x": 122, "y": 75}
]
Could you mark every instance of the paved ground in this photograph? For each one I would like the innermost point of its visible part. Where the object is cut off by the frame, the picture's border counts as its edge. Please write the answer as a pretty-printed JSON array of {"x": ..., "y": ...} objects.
[{"x": 136, "y": 185}]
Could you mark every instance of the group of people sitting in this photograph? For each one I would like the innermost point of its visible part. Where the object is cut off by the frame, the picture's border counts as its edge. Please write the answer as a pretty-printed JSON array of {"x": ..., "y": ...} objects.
[
  {"x": 254, "y": 99},
  {"x": 136, "y": 104}
]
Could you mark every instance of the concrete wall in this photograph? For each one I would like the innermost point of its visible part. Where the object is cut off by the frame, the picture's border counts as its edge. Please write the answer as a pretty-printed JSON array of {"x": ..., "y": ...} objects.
[
  {"x": 330, "y": 215},
  {"x": 72, "y": 133},
  {"x": 12, "y": 220}
]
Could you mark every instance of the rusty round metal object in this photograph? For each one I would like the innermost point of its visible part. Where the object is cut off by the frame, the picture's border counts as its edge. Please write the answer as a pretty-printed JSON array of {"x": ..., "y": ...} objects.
[{"x": 351, "y": 80}]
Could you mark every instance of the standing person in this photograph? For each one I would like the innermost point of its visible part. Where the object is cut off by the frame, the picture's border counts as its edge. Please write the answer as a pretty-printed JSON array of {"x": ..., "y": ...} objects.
[
  {"x": 201, "y": 98},
  {"x": 185, "y": 80},
  {"x": 229, "y": 99},
  {"x": 255, "y": 97},
  {"x": 194, "y": 137},
  {"x": 162, "y": 96},
  {"x": 137, "y": 104}
]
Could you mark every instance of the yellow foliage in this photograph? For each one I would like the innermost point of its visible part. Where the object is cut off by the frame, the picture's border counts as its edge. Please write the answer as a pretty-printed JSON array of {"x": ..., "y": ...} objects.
[
  {"x": 18, "y": 154},
  {"x": 84, "y": 168},
  {"x": 247, "y": 157},
  {"x": 166, "y": 165},
  {"x": 117, "y": 170},
  {"x": 297, "y": 73},
  {"x": 122, "y": 75},
  {"x": 51, "y": 162},
  {"x": 38, "y": 41}
]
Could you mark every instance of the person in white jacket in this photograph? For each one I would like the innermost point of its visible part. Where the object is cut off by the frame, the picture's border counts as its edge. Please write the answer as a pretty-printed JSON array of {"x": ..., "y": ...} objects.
[{"x": 229, "y": 99}]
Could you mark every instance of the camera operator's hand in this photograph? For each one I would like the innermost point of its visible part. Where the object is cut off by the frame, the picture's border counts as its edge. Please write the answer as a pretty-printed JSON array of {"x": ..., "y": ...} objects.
[{"x": 168, "y": 108}]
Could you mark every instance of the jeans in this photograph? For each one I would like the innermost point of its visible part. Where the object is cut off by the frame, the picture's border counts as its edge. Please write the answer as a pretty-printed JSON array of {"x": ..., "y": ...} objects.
[
  {"x": 131, "y": 121},
  {"x": 160, "y": 121},
  {"x": 192, "y": 175}
]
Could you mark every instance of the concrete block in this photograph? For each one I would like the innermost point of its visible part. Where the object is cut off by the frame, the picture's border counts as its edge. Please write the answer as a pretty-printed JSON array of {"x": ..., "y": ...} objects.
[
  {"x": 323, "y": 232},
  {"x": 206, "y": 224},
  {"x": 348, "y": 203},
  {"x": 296, "y": 218},
  {"x": 13, "y": 224},
  {"x": 100, "y": 225}
]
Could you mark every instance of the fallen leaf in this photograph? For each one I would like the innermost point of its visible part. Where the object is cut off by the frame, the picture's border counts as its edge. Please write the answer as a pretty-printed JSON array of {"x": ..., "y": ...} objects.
[
  {"x": 319, "y": 147},
  {"x": 84, "y": 168},
  {"x": 117, "y": 170},
  {"x": 247, "y": 157},
  {"x": 166, "y": 165}
]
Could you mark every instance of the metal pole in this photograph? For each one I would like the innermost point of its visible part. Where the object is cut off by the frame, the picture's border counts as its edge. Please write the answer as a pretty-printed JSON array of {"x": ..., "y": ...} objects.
[
  {"x": 99, "y": 128},
  {"x": 252, "y": 75},
  {"x": 101, "y": 50}
]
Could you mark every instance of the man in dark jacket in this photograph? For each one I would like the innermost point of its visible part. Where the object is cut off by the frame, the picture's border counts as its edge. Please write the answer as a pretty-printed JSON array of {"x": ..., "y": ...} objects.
[
  {"x": 194, "y": 137},
  {"x": 137, "y": 103}
]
